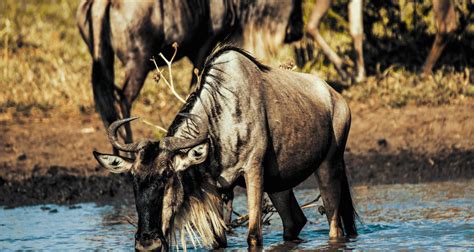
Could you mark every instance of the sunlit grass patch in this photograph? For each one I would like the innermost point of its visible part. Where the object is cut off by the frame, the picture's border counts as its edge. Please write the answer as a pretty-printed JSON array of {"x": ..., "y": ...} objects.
[
  {"x": 398, "y": 87},
  {"x": 45, "y": 66}
]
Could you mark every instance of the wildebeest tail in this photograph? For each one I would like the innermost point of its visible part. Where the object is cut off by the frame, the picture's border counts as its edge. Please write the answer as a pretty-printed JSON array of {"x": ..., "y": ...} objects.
[
  {"x": 92, "y": 19},
  {"x": 347, "y": 211},
  {"x": 93, "y": 22}
]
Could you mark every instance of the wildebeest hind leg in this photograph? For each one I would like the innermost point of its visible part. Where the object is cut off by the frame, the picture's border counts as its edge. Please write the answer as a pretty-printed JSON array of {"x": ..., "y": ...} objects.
[
  {"x": 329, "y": 176},
  {"x": 290, "y": 213},
  {"x": 446, "y": 24}
]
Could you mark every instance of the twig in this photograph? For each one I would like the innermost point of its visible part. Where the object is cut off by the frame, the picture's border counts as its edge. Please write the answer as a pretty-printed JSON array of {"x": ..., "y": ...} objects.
[
  {"x": 311, "y": 203},
  {"x": 159, "y": 72},
  {"x": 130, "y": 220},
  {"x": 340, "y": 20},
  {"x": 5, "y": 32},
  {"x": 155, "y": 126},
  {"x": 198, "y": 77},
  {"x": 268, "y": 211}
]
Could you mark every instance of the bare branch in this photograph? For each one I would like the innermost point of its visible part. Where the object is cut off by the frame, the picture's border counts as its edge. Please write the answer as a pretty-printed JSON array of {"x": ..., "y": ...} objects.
[
  {"x": 198, "y": 77},
  {"x": 155, "y": 126},
  {"x": 159, "y": 73},
  {"x": 268, "y": 211}
]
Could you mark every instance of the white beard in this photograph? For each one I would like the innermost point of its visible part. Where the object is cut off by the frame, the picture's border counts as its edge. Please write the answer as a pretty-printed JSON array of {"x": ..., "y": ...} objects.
[{"x": 199, "y": 217}]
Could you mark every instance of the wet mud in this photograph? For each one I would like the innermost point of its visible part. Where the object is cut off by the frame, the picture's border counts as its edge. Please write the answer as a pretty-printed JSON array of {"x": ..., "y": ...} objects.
[{"x": 48, "y": 159}]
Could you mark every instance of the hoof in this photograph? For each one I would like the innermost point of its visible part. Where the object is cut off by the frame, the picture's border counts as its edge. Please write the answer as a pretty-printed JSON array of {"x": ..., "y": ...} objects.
[
  {"x": 360, "y": 79},
  {"x": 321, "y": 210},
  {"x": 293, "y": 239},
  {"x": 253, "y": 241},
  {"x": 335, "y": 232}
]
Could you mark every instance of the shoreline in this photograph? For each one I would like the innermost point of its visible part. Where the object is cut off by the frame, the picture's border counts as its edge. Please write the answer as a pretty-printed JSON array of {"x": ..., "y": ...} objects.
[
  {"x": 66, "y": 187},
  {"x": 48, "y": 159}
]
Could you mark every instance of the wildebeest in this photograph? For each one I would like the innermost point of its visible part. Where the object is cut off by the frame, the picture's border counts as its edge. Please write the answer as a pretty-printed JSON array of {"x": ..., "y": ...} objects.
[
  {"x": 134, "y": 31},
  {"x": 267, "y": 129},
  {"x": 446, "y": 24}
]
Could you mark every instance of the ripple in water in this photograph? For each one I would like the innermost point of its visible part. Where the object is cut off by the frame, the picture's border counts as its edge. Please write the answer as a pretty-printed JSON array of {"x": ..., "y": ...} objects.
[{"x": 435, "y": 216}]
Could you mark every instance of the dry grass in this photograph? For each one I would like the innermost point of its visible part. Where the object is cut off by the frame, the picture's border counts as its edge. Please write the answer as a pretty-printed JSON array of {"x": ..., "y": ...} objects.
[
  {"x": 45, "y": 67},
  {"x": 398, "y": 87}
]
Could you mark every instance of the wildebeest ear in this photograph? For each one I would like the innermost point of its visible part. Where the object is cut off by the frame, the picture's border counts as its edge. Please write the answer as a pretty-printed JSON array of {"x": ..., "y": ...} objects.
[
  {"x": 193, "y": 156},
  {"x": 115, "y": 164},
  {"x": 198, "y": 154}
]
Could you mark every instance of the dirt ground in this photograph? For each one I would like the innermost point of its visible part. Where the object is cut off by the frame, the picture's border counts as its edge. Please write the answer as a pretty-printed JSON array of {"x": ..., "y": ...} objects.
[{"x": 47, "y": 158}]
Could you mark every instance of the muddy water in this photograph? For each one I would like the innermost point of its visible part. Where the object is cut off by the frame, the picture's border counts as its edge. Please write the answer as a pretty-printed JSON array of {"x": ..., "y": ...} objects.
[{"x": 424, "y": 216}]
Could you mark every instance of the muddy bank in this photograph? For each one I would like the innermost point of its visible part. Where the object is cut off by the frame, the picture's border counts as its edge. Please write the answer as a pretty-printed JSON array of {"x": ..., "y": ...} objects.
[
  {"x": 62, "y": 185},
  {"x": 47, "y": 159},
  {"x": 407, "y": 167}
]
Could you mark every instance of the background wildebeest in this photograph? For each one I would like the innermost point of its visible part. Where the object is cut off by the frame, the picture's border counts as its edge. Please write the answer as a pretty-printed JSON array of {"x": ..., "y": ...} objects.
[
  {"x": 446, "y": 24},
  {"x": 246, "y": 122},
  {"x": 134, "y": 31}
]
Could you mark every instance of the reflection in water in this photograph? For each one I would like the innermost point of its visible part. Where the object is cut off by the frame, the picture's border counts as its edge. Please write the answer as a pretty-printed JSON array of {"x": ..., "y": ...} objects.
[{"x": 425, "y": 216}]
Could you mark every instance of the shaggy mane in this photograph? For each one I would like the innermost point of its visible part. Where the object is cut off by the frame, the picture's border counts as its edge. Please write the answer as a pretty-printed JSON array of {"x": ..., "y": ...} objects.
[
  {"x": 212, "y": 80},
  {"x": 199, "y": 219}
]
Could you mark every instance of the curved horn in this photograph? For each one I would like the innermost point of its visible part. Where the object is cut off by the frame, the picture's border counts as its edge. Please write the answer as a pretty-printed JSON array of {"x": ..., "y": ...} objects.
[
  {"x": 112, "y": 135},
  {"x": 175, "y": 143}
]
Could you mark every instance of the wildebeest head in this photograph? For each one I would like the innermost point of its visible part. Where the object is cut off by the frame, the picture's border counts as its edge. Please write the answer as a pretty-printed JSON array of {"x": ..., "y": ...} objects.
[{"x": 169, "y": 195}]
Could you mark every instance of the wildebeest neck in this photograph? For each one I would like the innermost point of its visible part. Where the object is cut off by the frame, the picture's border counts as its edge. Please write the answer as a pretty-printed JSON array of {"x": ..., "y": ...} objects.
[{"x": 217, "y": 102}]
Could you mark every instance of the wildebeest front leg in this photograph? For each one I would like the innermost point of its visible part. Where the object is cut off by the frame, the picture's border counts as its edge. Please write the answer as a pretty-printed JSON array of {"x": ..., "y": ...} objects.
[
  {"x": 329, "y": 178},
  {"x": 290, "y": 212},
  {"x": 254, "y": 184}
]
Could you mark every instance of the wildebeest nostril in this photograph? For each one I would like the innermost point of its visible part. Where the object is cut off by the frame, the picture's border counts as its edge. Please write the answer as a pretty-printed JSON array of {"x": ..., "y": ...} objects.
[{"x": 146, "y": 238}]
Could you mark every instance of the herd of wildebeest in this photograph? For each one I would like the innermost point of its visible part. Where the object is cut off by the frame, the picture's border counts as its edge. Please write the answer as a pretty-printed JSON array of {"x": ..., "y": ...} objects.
[{"x": 244, "y": 123}]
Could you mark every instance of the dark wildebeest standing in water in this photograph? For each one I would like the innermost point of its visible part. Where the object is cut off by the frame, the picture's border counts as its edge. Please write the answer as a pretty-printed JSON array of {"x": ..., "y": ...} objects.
[
  {"x": 137, "y": 30},
  {"x": 247, "y": 124},
  {"x": 446, "y": 24}
]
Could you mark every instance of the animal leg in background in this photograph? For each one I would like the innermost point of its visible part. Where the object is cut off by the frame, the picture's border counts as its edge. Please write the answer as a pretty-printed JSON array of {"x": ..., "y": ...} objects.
[
  {"x": 290, "y": 212},
  {"x": 320, "y": 10},
  {"x": 446, "y": 24},
  {"x": 357, "y": 33},
  {"x": 93, "y": 26},
  {"x": 137, "y": 69},
  {"x": 104, "y": 90}
]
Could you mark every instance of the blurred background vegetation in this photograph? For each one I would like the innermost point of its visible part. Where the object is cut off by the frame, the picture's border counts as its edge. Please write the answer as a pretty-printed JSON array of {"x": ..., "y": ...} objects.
[{"x": 45, "y": 66}]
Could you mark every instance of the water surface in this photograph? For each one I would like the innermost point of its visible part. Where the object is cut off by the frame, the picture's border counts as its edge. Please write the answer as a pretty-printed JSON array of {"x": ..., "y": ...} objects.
[{"x": 436, "y": 216}]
